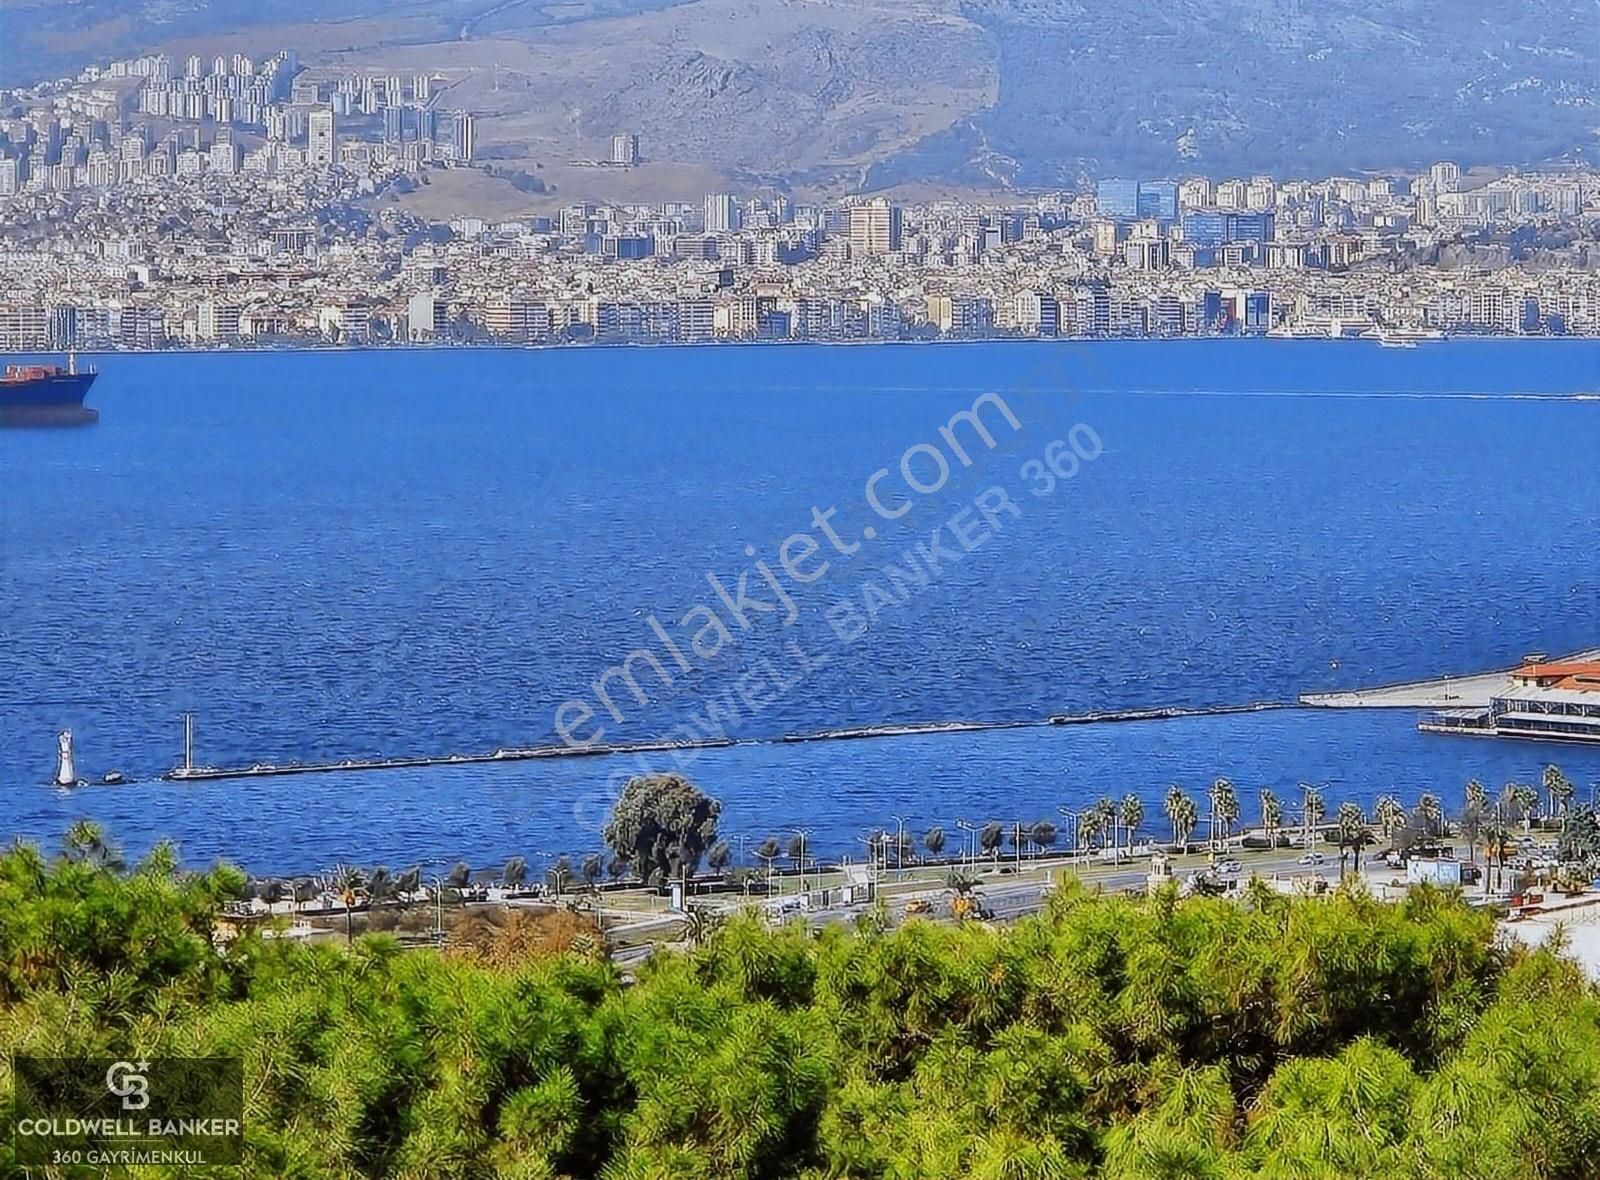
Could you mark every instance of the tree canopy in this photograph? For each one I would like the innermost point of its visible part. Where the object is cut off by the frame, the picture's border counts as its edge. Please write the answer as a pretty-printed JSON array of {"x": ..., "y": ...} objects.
[
  {"x": 1121, "y": 1037},
  {"x": 662, "y": 825}
]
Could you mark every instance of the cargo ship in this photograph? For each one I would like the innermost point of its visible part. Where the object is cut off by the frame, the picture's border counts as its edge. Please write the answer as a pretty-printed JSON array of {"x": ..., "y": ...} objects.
[{"x": 46, "y": 395}]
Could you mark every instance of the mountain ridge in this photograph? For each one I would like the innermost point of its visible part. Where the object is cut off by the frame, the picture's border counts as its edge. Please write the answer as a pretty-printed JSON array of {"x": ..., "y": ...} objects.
[{"x": 986, "y": 93}]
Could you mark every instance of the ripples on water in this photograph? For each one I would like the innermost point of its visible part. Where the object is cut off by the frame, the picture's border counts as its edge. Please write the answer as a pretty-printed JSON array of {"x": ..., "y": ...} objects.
[{"x": 346, "y": 555}]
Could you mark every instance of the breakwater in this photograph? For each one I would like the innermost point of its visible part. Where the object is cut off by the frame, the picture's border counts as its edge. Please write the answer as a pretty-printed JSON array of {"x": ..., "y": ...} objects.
[{"x": 196, "y": 773}]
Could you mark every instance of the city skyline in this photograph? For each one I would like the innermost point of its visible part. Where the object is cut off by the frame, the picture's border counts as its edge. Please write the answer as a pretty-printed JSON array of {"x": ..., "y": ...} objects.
[
  {"x": 244, "y": 203},
  {"x": 311, "y": 257}
]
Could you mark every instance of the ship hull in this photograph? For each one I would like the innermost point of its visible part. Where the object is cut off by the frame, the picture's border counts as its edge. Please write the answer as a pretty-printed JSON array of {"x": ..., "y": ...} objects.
[{"x": 54, "y": 400}]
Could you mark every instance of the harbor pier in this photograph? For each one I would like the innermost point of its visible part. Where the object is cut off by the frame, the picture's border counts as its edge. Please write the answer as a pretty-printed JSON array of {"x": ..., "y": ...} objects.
[{"x": 1472, "y": 691}]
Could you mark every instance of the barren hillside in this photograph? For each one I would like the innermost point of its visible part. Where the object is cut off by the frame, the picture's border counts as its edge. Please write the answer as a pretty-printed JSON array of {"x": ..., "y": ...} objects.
[{"x": 835, "y": 95}]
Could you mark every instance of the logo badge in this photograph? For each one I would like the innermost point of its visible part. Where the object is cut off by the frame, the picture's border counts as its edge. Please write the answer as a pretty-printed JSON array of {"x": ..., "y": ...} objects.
[{"x": 130, "y": 1083}]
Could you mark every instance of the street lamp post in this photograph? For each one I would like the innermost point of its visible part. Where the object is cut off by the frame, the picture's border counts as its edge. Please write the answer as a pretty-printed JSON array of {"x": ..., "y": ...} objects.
[
  {"x": 1305, "y": 812},
  {"x": 1073, "y": 817},
  {"x": 1500, "y": 844},
  {"x": 438, "y": 899},
  {"x": 969, "y": 836},
  {"x": 547, "y": 874},
  {"x": 803, "y": 833},
  {"x": 874, "y": 839},
  {"x": 899, "y": 848}
]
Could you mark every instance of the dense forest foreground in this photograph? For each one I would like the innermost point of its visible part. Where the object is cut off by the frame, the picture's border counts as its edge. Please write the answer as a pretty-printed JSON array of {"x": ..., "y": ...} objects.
[{"x": 1113, "y": 1037}]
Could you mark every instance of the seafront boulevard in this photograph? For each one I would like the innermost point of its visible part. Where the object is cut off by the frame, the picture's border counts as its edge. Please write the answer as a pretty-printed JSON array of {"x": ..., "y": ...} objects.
[
  {"x": 963, "y": 1046},
  {"x": 637, "y": 921},
  {"x": 663, "y": 828}
]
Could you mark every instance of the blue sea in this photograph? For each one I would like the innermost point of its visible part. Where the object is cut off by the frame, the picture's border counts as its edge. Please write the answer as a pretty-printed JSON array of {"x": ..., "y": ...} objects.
[{"x": 330, "y": 555}]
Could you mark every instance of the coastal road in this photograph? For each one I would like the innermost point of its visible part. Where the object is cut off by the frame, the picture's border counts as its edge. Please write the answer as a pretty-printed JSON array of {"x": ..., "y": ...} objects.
[
  {"x": 1005, "y": 897},
  {"x": 1010, "y": 899}
]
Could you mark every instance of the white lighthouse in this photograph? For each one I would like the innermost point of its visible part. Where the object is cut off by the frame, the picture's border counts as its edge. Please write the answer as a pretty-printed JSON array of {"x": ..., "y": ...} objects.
[{"x": 66, "y": 774}]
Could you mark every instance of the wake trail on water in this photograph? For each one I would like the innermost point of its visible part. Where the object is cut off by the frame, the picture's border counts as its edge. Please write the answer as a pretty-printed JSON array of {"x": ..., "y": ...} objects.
[{"x": 1360, "y": 394}]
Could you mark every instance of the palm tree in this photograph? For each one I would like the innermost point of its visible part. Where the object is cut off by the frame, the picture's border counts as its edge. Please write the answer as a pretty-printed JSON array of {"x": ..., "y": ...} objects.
[
  {"x": 1530, "y": 805},
  {"x": 1312, "y": 809},
  {"x": 85, "y": 843},
  {"x": 1172, "y": 804},
  {"x": 1098, "y": 820},
  {"x": 407, "y": 883},
  {"x": 560, "y": 873},
  {"x": 1187, "y": 819},
  {"x": 886, "y": 844},
  {"x": 904, "y": 848},
  {"x": 1090, "y": 824},
  {"x": 1474, "y": 811},
  {"x": 933, "y": 840},
  {"x": 346, "y": 884},
  {"x": 1224, "y": 807},
  {"x": 768, "y": 850},
  {"x": 1018, "y": 837},
  {"x": 1043, "y": 834},
  {"x": 1471, "y": 826},
  {"x": 878, "y": 844},
  {"x": 1508, "y": 803},
  {"x": 380, "y": 884},
  {"x": 1474, "y": 795},
  {"x": 1351, "y": 825},
  {"x": 1431, "y": 812},
  {"x": 515, "y": 873},
  {"x": 1132, "y": 817},
  {"x": 1524, "y": 801},
  {"x": 1558, "y": 788},
  {"x": 962, "y": 883},
  {"x": 1271, "y": 815},
  {"x": 990, "y": 839},
  {"x": 591, "y": 869},
  {"x": 1390, "y": 815},
  {"x": 1496, "y": 847}
]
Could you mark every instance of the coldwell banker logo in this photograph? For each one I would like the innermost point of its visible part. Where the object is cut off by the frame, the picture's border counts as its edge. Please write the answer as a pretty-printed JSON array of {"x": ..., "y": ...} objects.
[
  {"x": 133, "y": 1088},
  {"x": 126, "y": 1112}
]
